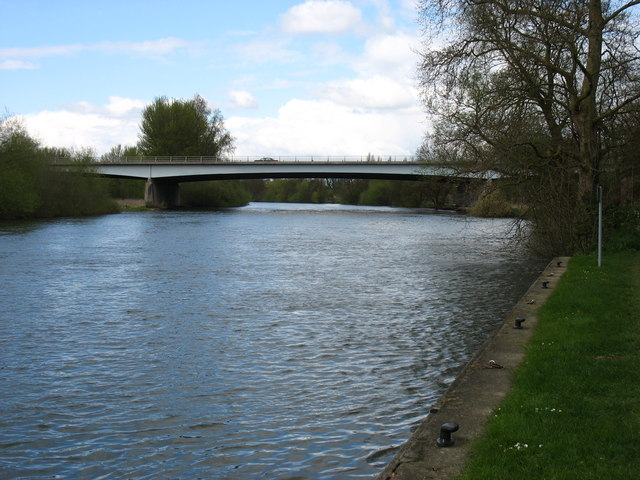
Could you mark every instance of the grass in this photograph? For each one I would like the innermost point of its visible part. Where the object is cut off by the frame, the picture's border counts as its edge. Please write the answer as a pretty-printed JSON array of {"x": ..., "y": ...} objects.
[{"x": 574, "y": 411}]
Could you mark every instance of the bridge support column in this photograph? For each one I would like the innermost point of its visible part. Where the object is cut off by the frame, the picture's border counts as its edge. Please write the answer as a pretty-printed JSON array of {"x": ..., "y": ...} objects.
[{"x": 161, "y": 194}]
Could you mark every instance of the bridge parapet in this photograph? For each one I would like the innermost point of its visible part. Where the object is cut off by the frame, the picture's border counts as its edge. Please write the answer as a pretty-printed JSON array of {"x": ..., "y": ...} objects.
[{"x": 267, "y": 159}]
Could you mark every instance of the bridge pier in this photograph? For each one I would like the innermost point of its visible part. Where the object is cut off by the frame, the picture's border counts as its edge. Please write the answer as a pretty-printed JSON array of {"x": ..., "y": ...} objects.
[{"x": 161, "y": 194}]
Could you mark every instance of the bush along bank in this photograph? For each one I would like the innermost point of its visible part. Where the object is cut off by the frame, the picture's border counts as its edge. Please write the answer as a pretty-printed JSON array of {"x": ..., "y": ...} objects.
[
  {"x": 31, "y": 187},
  {"x": 574, "y": 409}
]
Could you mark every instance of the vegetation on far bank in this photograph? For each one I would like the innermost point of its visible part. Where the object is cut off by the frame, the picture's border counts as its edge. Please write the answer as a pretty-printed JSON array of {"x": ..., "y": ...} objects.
[
  {"x": 413, "y": 194},
  {"x": 574, "y": 409},
  {"x": 427, "y": 193},
  {"x": 31, "y": 187}
]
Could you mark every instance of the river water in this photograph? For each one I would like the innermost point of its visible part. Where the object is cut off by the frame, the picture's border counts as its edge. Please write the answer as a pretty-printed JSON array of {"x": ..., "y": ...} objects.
[{"x": 271, "y": 341}]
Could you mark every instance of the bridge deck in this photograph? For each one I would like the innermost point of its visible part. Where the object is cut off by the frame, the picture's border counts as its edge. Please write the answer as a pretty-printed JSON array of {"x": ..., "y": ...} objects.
[{"x": 187, "y": 169}]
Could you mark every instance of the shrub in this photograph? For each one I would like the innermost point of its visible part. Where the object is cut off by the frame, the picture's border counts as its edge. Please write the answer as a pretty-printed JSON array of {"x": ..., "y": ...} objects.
[{"x": 494, "y": 205}]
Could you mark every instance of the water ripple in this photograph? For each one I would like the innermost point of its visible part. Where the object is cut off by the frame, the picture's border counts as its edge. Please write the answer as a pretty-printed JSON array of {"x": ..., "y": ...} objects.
[{"x": 273, "y": 341}]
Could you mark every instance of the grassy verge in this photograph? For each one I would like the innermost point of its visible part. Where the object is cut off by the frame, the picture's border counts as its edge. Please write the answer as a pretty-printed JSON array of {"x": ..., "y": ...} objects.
[{"x": 574, "y": 411}]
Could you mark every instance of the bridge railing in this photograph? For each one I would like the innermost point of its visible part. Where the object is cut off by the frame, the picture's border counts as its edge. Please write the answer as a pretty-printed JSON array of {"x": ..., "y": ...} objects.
[{"x": 268, "y": 159}]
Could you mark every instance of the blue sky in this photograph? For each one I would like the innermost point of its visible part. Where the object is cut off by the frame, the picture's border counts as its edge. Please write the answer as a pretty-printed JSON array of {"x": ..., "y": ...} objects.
[{"x": 323, "y": 77}]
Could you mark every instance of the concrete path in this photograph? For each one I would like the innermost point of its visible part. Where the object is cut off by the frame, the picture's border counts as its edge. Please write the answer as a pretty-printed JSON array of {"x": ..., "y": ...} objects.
[{"x": 475, "y": 394}]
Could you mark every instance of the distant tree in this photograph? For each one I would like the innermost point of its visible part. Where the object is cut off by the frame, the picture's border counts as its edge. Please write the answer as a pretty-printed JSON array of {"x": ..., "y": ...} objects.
[
  {"x": 183, "y": 127},
  {"x": 123, "y": 187},
  {"x": 348, "y": 190},
  {"x": 377, "y": 193},
  {"x": 214, "y": 194},
  {"x": 119, "y": 151}
]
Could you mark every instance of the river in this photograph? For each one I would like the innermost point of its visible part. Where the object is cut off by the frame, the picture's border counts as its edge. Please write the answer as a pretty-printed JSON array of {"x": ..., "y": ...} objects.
[{"x": 275, "y": 341}]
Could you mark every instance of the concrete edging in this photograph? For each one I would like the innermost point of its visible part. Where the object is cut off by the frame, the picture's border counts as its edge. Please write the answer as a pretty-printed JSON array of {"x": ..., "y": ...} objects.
[{"x": 475, "y": 393}]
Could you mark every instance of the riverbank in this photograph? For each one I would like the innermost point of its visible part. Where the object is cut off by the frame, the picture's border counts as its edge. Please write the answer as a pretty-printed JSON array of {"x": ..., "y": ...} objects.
[
  {"x": 572, "y": 411},
  {"x": 130, "y": 203},
  {"x": 475, "y": 394}
]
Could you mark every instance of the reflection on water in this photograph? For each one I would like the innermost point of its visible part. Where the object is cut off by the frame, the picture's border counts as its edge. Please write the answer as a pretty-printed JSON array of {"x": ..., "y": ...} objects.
[{"x": 270, "y": 341}]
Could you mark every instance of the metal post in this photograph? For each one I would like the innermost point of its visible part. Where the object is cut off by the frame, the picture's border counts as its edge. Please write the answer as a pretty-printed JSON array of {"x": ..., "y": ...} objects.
[{"x": 599, "y": 226}]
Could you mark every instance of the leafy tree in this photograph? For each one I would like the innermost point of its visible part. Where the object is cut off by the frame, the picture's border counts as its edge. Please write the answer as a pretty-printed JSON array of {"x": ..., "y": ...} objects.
[
  {"x": 283, "y": 190},
  {"x": 75, "y": 192},
  {"x": 377, "y": 193},
  {"x": 536, "y": 90},
  {"x": 292, "y": 190},
  {"x": 256, "y": 188},
  {"x": 214, "y": 194},
  {"x": 348, "y": 190},
  {"x": 123, "y": 187},
  {"x": 31, "y": 187},
  {"x": 183, "y": 127},
  {"x": 19, "y": 164}
]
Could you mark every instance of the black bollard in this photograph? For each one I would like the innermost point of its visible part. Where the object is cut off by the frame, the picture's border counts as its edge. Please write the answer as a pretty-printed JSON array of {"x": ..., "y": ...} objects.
[
  {"x": 518, "y": 322},
  {"x": 446, "y": 430},
  {"x": 545, "y": 284}
]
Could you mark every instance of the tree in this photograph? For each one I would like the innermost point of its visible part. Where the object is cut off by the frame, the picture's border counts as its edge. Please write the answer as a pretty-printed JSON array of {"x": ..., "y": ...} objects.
[
  {"x": 30, "y": 186},
  {"x": 19, "y": 167},
  {"x": 535, "y": 89},
  {"x": 119, "y": 151},
  {"x": 183, "y": 127}
]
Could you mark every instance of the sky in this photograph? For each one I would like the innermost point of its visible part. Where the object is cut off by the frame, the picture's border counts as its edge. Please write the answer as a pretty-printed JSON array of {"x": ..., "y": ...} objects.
[{"x": 314, "y": 77}]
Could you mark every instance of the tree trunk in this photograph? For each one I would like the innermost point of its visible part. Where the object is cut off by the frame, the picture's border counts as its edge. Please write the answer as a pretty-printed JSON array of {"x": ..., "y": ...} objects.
[{"x": 585, "y": 109}]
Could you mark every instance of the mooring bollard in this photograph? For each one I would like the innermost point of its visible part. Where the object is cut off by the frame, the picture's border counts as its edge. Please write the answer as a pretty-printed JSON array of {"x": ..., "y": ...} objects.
[
  {"x": 545, "y": 284},
  {"x": 446, "y": 430},
  {"x": 518, "y": 323}
]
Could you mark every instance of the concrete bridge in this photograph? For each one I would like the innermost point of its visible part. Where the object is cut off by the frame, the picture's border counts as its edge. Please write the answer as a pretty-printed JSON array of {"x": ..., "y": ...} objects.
[{"x": 164, "y": 173}]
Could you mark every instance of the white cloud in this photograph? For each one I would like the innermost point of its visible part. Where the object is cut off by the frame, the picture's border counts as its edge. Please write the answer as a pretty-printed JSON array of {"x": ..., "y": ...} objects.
[
  {"x": 16, "y": 65},
  {"x": 316, "y": 16},
  {"x": 330, "y": 53},
  {"x": 301, "y": 127},
  {"x": 321, "y": 127},
  {"x": 122, "y": 107},
  {"x": 375, "y": 92},
  {"x": 242, "y": 99},
  {"x": 117, "y": 107},
  {"x": 392, "y": 55},
  {"x": 85, "y": 125},
  {"x": 266, "y": 51},
  {"x": 386, "y": 75},
  {"x": 42, "y": 51},
  {"x": 161, "y": 46}
]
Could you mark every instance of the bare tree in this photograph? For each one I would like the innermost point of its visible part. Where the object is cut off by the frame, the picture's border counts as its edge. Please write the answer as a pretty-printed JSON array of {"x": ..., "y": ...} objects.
[{"x": 534, "y": 89}]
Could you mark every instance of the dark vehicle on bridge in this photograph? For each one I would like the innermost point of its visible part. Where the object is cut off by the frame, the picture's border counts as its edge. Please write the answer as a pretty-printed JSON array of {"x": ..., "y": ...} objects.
[{"x": 266, "y": 160}]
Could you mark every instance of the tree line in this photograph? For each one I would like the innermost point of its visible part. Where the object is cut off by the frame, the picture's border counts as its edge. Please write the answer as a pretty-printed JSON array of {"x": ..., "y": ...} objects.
[{"x": 425, "y": 193}]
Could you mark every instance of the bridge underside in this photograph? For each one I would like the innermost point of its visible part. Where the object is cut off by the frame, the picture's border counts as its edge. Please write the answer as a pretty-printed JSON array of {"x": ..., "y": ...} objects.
[{"x": 254, "y": 176}]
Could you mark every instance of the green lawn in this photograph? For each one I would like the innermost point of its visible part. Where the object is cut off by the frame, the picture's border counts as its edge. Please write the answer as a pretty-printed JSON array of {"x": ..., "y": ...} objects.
[{"x": 574, "y": 411}]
